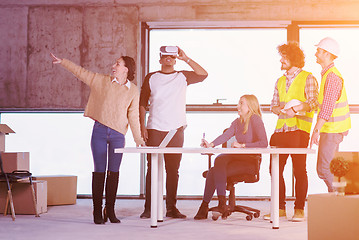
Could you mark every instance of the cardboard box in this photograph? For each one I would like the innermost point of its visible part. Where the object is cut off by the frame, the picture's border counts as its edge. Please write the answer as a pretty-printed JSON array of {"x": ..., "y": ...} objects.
[
  {"x": 332, "y": 217},
  {"x": 4, "y": 130},
  {"x": 61, "y": 189},
  {"x": 352, "y": 177},
  {"x": 16, "y": 161},
  {"x": 22, "y": 197}
]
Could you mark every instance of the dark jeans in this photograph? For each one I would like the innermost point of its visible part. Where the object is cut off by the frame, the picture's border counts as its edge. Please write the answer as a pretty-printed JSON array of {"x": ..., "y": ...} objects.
[
  {"x": 172, "y": 164},
  {"x": 227, "y": 165},
  {"x": 104, "y": 140},
  {"x": 294, "y": 139}
]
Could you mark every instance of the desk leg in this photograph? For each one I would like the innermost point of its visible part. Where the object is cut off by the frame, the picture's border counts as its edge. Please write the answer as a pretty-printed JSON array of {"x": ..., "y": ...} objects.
[
  {"x": 154, "y": 189},
  {"x": 275, "y": 192},
  {"x": 160, "y": 189}
]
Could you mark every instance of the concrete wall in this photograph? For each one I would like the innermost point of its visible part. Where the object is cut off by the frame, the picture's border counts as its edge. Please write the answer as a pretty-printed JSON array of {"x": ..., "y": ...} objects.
[{"x": 93, "y": 33}]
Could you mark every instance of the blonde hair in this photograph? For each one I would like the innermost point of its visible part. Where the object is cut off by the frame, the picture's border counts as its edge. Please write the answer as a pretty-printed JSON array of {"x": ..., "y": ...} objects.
[{"x": 254, "y": 108}]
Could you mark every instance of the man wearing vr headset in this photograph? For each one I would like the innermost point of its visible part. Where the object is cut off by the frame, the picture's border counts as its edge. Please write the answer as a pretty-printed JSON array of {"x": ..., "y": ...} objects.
[{"x": 165, "y": 93}]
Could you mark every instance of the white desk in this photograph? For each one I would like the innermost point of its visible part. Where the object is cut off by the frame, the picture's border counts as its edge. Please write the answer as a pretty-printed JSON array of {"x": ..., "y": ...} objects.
[{"x": 157, "y": 172}]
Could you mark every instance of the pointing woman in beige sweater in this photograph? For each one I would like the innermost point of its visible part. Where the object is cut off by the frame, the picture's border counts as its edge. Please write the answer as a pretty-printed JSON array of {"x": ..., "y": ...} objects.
[{"x": 113, "y": 105}]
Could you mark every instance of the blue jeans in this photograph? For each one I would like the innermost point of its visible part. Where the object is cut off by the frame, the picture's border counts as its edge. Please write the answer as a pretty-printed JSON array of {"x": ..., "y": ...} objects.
[
  {"x": 104, "y": 140},
  {"x": 328, "y": 145}
]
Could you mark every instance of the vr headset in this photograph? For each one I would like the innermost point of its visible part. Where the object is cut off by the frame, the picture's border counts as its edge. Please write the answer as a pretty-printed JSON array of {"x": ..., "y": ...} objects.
[{"x": 168, "y": 50}]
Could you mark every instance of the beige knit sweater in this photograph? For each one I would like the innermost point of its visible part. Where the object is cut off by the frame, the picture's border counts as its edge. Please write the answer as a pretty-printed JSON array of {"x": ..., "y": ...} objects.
[{"x": 111, "y": 104}]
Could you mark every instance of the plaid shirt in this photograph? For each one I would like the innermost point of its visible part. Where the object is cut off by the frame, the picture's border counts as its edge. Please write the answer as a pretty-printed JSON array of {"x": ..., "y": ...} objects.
[
  {"x": 311, "y": 93},
  {"x": 332, "y": 91}
]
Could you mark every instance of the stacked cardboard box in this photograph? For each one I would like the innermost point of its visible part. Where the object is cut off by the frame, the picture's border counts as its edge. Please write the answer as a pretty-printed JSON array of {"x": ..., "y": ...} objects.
[
  {"x": 23, "y": 199},
  {"x": 61, "y": 189},
  {"x": 21, "y": 191},
  {"x": 13, "y": 161},
  {"x": 332, "y": 217}
]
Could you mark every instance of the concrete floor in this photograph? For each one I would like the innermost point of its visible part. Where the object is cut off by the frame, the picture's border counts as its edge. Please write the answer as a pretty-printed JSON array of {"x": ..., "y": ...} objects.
[{"x": 75, "y": 222}]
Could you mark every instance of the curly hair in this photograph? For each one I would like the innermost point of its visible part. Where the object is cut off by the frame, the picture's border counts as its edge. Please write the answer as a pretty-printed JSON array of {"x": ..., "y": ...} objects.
[
  {"x": 131, "y": 66},
  {"x": 292, "y": 51}
]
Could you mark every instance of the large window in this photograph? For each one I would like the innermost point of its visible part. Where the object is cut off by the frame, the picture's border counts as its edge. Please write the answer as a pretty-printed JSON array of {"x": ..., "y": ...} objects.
[
  {"x": 243, "y": 61},
  {"x": 238, "y": 61}
]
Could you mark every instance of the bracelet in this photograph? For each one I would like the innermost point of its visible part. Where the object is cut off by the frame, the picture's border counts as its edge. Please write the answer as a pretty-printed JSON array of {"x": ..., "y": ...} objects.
[
  {"x": 188, "y": 60},
  {"x": 293, "y": 110}
]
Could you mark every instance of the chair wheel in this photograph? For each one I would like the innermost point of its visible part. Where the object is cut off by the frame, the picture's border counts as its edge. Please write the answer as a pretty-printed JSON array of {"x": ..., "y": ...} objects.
[
  {"x": 249, "y": 217},
  {"x": 215, "y": 216},
  {"x": 256, "y": 215}
]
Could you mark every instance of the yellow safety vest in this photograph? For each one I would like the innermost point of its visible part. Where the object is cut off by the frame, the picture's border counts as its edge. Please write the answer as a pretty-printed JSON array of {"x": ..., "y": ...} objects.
[
  {"x": 295, "y": 91},
  {"x": 339, "y": 121}
]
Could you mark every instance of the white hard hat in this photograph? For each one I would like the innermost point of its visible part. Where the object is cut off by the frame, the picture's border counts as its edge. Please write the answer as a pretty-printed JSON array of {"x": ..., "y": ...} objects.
[{"x": 329, "y": 45}]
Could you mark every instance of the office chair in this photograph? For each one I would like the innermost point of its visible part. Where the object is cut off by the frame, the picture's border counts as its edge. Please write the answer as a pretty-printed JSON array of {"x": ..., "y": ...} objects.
[
  {"x": 10, "y": 178},
  {"x": 250, "y": 177}
]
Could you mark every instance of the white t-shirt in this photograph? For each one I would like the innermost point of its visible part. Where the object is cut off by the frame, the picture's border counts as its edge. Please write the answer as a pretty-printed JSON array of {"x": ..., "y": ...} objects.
[{"x": 166, "y": 95}]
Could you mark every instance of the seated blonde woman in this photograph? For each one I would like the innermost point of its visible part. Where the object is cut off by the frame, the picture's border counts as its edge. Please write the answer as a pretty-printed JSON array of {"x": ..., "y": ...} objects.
[{"x": 249, "y": 132}]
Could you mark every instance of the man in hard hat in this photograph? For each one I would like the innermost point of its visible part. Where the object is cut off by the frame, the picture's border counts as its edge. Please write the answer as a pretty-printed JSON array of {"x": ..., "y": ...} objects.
[
  {"x": 294, "y": 100},
  {"x": 333, "y": 121}
]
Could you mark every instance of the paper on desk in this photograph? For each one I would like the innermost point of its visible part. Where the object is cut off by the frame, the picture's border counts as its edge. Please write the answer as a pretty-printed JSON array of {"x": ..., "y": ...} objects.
[
  {"x": 292, "y": 103},
  {"x": 147, "y": 147}
]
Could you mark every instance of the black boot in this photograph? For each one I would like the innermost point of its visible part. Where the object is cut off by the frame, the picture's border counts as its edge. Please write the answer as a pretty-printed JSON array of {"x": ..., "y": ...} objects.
[
  {"x": 222, "y": 206},
  {"x": 98, "y": 179},
  {"x": 111, "y": 191},
  {"x": 202, "y": 211},
  {"x": 146, "y": 213}
]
